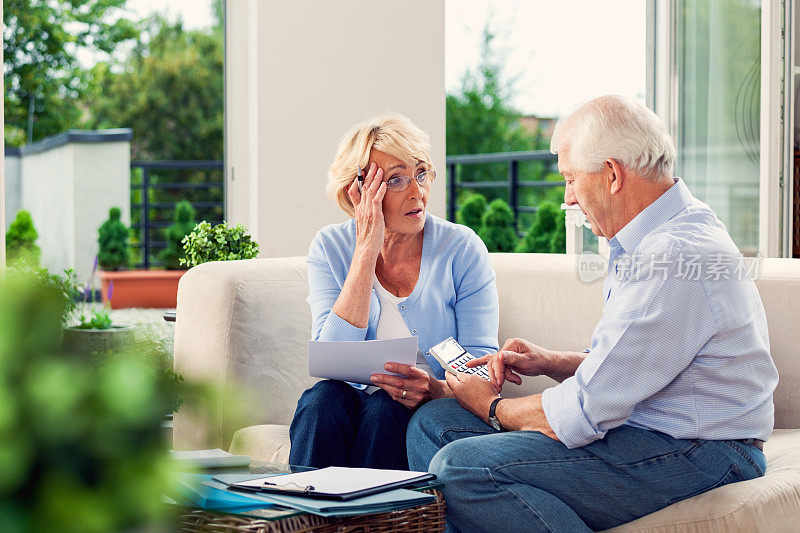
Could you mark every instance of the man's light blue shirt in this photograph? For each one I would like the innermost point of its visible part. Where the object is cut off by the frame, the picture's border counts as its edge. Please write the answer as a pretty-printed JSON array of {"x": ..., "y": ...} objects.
[
  {"x": 682, "y": 346},
  {"x": 455, "y": 295}
]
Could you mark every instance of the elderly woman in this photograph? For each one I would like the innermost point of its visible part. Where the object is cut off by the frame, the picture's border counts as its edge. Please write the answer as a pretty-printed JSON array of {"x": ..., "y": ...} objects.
[{"x": 393, "y": 270}]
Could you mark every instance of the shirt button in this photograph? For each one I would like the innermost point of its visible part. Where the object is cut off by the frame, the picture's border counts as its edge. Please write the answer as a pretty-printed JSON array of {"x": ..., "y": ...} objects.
[
  {"x": 414, "y": 331},
  {"x": 402, "y": 306}
]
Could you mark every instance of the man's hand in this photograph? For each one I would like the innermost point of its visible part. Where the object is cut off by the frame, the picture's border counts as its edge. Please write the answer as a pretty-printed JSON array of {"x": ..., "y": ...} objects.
[
  {"x": 473, "y": 393},
  {"x": 517, "y": 356}
]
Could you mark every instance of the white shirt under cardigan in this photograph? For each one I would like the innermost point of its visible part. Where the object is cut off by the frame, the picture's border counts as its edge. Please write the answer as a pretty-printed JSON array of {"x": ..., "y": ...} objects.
[
  {"x": 392, "y": 326},
  {"x": 455, "y": 294}
]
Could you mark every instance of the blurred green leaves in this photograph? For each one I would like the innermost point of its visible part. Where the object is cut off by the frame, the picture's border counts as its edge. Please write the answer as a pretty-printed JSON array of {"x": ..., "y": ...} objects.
[
  {"x": 21, "y": 238},
  {"x": 81, "y": 447}
]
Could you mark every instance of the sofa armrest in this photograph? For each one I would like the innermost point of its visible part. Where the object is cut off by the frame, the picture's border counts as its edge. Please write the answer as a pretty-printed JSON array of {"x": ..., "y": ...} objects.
[{"x": 242, "y": 327}]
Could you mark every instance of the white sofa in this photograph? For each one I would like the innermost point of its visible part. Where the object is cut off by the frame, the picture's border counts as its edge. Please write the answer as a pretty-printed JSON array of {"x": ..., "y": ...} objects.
[{"x": 244, "y": 326}]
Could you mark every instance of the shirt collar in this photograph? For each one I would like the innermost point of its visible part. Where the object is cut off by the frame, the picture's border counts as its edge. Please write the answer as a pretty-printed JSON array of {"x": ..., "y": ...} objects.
[{"x": 666, "y": 206}]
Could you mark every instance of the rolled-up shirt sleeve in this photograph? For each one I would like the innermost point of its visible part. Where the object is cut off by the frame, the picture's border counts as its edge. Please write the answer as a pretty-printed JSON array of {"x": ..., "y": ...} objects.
[
  {"x": 651, "y": 329},
  {"x": 323, "y": 291}
]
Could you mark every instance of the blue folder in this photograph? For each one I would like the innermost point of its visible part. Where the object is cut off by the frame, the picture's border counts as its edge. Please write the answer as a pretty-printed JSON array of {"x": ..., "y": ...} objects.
[{"x": 191, "y": 490}]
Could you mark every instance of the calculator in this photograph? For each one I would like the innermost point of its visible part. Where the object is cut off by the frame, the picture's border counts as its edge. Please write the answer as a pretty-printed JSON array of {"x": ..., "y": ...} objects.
[{"x": 453, "y": 358}]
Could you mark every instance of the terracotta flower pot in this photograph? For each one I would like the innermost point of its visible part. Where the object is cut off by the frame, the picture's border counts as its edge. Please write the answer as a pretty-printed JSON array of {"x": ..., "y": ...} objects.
[
  {"x": 97, "y": 340},
  {"x": 141, "y": 288}
]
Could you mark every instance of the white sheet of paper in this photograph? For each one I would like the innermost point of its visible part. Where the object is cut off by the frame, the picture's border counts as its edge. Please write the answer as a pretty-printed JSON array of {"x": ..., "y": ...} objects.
[{"x": 356, "y": 361}]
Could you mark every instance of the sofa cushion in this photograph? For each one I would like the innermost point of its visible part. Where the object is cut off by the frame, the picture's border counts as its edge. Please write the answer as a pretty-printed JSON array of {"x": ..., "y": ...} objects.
[
  {"x": 267, "y": 442},
  {"x": 769, "y": 503}
]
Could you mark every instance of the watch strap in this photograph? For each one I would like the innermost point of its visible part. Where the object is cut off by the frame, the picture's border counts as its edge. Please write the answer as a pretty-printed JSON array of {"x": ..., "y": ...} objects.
[{"x": 493, "y": 408}]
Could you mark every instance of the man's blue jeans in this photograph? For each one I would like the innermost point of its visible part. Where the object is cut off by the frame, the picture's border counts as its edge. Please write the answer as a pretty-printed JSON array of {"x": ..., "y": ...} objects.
[
  {"x": 526, "y": 481},
  {"x": 337, "y": 425}
]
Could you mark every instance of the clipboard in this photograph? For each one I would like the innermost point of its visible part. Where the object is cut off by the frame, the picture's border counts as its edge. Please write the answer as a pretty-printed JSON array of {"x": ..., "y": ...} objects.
[{"x": 334, "y": 483}]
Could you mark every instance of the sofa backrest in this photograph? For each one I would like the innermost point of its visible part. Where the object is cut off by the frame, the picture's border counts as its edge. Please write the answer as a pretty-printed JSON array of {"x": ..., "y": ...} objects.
[{"x": 244, "y": 326}]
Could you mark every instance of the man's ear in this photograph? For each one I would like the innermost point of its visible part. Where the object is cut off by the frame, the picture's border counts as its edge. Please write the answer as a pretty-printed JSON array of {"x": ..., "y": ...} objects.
[{"x": 616, "y": 175}]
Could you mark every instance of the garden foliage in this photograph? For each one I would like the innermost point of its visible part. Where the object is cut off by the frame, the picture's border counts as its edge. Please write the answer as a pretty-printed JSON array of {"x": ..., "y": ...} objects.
[
  {"x": 471, "y": 212},
  {"x": 218, "y": 243},
  {"x": 21, "y": 238},
  {"x": 44, "y": 81},
  {"x": 81, "y": 449},
  {"x": 547, "y": 234},
  {"x": 182, "y": 226},
  {"x": 497, "y": 227},
  {"x": 113, "y": 241}
]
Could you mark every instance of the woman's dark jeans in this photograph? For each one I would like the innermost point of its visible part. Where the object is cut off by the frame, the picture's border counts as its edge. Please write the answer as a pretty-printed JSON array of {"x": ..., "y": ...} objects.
[{"x": 337, "y": 425}]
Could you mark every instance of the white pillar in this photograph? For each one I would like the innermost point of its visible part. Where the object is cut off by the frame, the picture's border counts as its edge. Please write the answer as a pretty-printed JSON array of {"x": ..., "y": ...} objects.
[{"x": 298, "y": 75}]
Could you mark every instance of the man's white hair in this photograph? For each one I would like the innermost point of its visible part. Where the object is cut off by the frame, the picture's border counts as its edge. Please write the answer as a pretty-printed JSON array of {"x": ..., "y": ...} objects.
[{"x": 615, "y": 127}]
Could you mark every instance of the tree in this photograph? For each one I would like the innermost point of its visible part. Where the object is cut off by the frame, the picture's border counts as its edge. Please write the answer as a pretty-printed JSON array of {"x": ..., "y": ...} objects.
[
  {"x": 497, "y": 230},
  {"x": 21, "y": 236},
  {"x": 113, "y": 242},
  {"x": 480, "y": 119},
  {"x": 42, "y": 78},
  {"x": 547, "y": 234},
  {"x": 471, "y": 212},
  {"x": 169, "y": 90}
]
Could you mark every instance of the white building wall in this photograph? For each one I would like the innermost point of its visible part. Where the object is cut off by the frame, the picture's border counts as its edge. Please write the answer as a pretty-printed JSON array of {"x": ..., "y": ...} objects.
[
  {"x": 68, "y": 184},
  {"x": 298, "y": 75},
  {"x": 47, "y": 184},
  {"x": 13, "y": 188},
  {"x": 102, "y": 180}
]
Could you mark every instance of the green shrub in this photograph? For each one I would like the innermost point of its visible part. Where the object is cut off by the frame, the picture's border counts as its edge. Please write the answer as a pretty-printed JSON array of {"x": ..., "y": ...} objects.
[
  {"x": 497, "y": 227},
  {"x": 182, "y": 226},
  {"x": 547, "y": 234},
  {"x": 21, "y": 238},
  {"x": 218, "y": 243},
  {"x": 81, "y": 447},
  {"x": 471, "y": 212},
  {"x": 113, "y": 241}
]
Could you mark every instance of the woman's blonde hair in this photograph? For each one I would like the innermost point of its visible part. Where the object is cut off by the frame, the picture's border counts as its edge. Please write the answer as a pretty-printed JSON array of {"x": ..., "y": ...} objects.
[{"x": 391, "y": 133}]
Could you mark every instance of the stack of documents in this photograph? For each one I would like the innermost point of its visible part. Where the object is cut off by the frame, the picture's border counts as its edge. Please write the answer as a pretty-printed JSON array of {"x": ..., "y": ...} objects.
[
  {"x": 191, "y": 490},
  {"x": 384, "y": 502},
  {"x": 335, "y": 491}
]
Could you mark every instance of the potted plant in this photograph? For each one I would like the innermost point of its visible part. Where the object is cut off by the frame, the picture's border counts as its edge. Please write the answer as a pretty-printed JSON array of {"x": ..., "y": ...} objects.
[
  {"x": 97, "y": 334},
  {"x": 140, "y": 288},
  {"x": 218, "y": 243}
]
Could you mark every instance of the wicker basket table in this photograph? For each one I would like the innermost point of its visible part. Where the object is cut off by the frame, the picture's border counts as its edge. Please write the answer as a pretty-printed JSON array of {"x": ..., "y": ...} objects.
[{"x": 428, "y": 517}]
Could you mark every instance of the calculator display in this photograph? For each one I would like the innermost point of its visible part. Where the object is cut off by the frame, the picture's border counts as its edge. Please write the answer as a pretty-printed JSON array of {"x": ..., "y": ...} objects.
[
  {"x": 449, "y": 349},
  {"x": 453, "y": 358}
]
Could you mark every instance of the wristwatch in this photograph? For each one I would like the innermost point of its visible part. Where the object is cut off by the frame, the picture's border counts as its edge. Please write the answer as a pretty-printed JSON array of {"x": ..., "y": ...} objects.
[{"x": 495, "y": 423}]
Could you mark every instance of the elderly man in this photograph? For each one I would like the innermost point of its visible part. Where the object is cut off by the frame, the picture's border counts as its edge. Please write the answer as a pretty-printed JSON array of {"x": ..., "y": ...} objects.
[{"x": 674, "y": 396}]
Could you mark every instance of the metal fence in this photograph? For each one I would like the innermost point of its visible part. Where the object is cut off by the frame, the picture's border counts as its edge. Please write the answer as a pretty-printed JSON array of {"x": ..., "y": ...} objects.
[
  {"x": 161, "y": 185},
  {"x": 455, "y": 181}
]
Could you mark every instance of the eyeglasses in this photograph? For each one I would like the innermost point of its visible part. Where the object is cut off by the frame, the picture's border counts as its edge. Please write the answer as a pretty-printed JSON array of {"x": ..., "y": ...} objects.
[{"x": 401, "y": 183}]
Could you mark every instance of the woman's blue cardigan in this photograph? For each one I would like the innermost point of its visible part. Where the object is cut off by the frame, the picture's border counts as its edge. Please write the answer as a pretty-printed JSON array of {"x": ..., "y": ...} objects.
[{"x": 455, "y": 295}]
